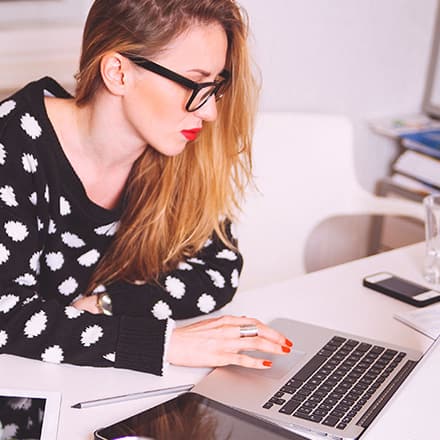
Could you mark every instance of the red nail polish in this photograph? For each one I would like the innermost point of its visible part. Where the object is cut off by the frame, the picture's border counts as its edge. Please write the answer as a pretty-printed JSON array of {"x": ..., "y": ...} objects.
[
  {"x": 267, "y": 363},
  {"x": 288, "y": 343},
  {"x": 285, "y": 349}
]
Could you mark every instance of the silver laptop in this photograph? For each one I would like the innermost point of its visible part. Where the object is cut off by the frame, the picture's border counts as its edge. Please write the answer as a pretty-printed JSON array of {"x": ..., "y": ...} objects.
[{"x": 332, "y": 383}]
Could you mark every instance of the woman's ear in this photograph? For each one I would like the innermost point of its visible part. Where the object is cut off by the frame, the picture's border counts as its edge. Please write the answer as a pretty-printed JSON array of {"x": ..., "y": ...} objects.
[{"x": 113, "y": 73}]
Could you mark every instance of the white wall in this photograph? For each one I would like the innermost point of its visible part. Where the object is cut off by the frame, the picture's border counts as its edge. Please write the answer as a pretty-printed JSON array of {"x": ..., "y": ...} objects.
[
  {"x": 42, "y": 11},
  {"x": 361, "y": 58},
  {"x": 39, "y": 39}
]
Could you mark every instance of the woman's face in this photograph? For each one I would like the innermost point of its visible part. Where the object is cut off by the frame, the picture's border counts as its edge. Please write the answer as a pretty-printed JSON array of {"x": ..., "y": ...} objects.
[{"x": 154, "y": 106}]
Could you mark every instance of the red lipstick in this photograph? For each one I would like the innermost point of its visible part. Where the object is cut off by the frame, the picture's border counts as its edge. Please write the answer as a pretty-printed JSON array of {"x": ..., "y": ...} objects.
[{"x": 191, "y": 134}]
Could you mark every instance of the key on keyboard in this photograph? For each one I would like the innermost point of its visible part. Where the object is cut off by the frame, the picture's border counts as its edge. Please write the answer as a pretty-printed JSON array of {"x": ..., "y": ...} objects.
[{"x": 335, "y": 384}]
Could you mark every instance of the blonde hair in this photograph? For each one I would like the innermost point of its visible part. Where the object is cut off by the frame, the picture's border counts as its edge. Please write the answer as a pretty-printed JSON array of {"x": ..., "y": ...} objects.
[{"x": 174, "y": 204}]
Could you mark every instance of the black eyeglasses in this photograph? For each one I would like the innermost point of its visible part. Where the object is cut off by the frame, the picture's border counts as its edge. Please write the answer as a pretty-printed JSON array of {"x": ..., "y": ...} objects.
[{"x": 201, "y": 92}]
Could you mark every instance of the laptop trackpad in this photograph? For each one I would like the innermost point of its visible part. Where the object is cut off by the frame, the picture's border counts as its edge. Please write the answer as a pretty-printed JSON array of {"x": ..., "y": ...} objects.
[{"x": 280, "y": 364}]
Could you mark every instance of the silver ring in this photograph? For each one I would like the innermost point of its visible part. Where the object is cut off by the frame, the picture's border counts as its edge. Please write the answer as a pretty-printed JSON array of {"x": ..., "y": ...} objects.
[{"x": 248, "y": 331}]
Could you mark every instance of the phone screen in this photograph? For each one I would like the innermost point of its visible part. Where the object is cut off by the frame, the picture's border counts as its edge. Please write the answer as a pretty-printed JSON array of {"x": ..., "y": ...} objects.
[
  {"x": 402, "y": 286},
  {"x": 191, "y": 416}
]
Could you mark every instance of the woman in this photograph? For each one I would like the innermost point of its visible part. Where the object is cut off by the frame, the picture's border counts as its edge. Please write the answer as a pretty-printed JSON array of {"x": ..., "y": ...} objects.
[{"x": 115, "y": 205}]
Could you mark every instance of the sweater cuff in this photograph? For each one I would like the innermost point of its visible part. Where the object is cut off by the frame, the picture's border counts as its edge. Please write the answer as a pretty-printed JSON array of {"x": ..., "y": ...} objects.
[
  {"x": 141, "y": 344},
  {"x": 131, "y": 299}
]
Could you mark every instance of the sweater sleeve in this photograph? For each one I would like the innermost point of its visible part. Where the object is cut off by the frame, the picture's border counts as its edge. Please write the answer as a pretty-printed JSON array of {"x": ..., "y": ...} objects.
[
  {"x": 35, "y": 321},
  {"x": 200, "y": 285}
]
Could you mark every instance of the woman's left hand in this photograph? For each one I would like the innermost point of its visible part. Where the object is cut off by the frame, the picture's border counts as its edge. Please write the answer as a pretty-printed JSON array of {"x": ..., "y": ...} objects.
[{"x": 87, "y": 303}]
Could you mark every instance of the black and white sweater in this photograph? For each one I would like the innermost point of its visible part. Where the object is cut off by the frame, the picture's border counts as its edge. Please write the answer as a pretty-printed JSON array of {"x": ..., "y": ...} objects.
[{"x": 51, "y": 238}]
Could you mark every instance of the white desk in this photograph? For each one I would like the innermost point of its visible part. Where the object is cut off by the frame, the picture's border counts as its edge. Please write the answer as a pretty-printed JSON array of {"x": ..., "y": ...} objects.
[{"x": 332, "y": 297}]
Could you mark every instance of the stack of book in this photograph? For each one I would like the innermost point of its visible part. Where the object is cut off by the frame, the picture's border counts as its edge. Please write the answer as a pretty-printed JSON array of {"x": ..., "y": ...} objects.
[{"x": 418, "y": 166}]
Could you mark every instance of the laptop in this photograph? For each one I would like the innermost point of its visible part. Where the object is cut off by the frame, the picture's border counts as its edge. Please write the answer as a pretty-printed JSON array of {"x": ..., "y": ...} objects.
[{"x": 331, "y": 384}]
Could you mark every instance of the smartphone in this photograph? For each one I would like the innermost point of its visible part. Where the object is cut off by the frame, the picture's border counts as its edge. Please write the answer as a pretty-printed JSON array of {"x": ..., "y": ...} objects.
[
  {"x": 399, "y": 288},
  {"x": 192, "y": 416}
]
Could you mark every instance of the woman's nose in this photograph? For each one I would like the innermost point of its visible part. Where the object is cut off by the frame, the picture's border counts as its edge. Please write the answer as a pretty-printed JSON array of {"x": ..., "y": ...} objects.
[{"x": 208, "y": 111}]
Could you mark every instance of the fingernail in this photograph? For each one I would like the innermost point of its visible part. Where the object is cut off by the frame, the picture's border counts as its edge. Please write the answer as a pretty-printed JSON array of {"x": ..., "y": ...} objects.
[
  {"x": 288, "y": 343},
  {"x": 285, "y": 349},
  {"x": 267, "y": 363}
]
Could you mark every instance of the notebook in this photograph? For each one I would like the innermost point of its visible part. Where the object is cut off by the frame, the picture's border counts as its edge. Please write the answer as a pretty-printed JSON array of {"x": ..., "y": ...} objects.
[
  {"x": 425, "y": 320},
  {"x": 332, "y": 383}
]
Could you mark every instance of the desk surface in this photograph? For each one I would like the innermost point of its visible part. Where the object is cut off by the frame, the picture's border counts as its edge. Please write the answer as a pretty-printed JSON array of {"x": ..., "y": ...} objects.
[{"x": 332, "y": 297}]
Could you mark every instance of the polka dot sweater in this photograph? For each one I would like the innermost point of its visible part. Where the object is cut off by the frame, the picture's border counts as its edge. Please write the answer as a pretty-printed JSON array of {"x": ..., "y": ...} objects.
[{"x": 51, "y": 239}]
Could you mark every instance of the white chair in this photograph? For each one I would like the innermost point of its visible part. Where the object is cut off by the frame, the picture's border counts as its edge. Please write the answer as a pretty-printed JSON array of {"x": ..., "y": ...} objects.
[{"x": 304, "y": 172}]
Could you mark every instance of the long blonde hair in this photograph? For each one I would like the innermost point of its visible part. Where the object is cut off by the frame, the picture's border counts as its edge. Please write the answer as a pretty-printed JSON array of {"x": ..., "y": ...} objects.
[{"x": 174, "y": 203}]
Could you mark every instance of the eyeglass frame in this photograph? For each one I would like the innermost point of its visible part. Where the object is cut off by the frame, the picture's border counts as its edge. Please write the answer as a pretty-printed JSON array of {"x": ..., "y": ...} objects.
[{"x": 181, "y": 80}]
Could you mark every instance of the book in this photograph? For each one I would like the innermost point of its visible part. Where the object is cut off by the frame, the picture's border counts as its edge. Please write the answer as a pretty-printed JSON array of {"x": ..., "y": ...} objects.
[
  {"x": 425, "y": 320},
  {"x": 427, "y": 142},
  {"x": 411, "y": 184},
  {"x": 425, "y": 169},
  {"x": 397, "y": 126}
]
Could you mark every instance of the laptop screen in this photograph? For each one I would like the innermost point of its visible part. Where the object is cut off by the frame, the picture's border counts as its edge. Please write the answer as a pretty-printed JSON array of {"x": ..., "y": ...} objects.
[{"x": 431, "y": 100}]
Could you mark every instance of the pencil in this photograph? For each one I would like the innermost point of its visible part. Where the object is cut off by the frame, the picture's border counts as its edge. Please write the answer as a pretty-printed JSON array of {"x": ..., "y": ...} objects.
[{"x": 133, "y": 396}]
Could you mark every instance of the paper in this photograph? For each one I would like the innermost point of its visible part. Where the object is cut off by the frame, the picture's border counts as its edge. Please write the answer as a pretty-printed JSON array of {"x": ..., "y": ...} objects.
[{"x": 426, "y": 320}]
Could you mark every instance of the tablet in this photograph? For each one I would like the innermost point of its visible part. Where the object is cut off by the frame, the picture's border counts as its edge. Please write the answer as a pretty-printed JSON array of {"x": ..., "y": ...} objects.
[
  {"x": 29, "y": 414},
  {"x": 191, "y": 416}
]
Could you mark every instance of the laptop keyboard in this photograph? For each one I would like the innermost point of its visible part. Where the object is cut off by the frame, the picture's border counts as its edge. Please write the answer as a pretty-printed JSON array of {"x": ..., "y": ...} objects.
[{"x": 337, "y": 382}]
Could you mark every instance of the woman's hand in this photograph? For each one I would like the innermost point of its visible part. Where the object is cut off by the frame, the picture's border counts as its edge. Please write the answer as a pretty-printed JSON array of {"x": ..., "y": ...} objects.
[
  {"x": 216, "y": 342},
  {"x": 87, "y": 303}
]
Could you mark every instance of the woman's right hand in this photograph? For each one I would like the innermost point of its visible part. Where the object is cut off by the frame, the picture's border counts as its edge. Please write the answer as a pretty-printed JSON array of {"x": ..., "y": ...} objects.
[{"x": 216, "y": 342}]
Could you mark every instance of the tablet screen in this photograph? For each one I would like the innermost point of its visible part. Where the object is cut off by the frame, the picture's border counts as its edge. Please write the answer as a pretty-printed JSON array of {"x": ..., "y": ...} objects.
[
  {"x": 190, "y": 416},
  {"x": 28, "y": 414}
]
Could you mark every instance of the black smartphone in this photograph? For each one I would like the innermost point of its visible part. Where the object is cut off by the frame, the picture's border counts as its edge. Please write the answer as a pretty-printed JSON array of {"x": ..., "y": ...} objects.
[
  {"x": 399, "y": 288},
  {"x": 192, "y": 416}
]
